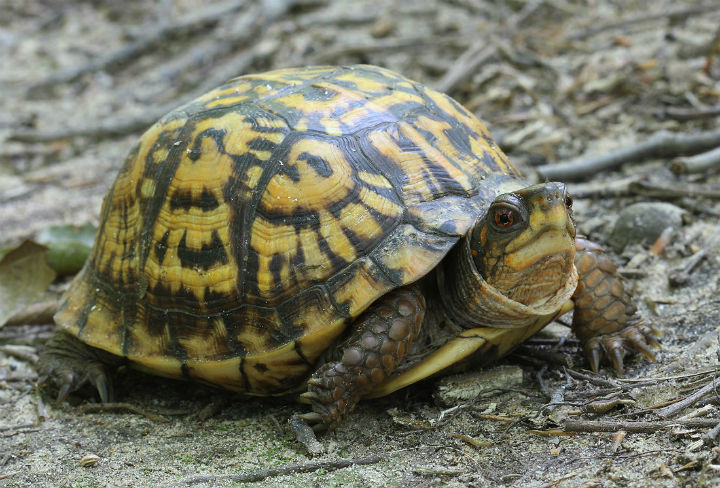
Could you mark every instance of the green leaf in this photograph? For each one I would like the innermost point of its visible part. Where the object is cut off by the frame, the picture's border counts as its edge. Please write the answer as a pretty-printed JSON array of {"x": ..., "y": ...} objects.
[
  {"x": 69, "y": 246},
  {"x": 24, "y": 278}
]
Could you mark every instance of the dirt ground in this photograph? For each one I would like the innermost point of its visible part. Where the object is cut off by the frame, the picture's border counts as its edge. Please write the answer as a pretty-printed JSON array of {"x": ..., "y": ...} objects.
[{"x": 555, "y": 80}]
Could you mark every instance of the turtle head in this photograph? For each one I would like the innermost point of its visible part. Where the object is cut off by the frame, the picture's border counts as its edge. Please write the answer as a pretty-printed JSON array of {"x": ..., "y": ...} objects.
[{"x": 525, "y": 245}]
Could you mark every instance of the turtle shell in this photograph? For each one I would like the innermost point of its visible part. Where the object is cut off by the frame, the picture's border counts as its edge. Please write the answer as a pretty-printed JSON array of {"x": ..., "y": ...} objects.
[{"x": 248, "y": 228}]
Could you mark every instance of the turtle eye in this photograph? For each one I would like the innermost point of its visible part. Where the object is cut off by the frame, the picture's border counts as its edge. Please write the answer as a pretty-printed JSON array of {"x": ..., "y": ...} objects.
[
  {"x": 504, "y": 217},
  {"x": 568, "y": 202}
]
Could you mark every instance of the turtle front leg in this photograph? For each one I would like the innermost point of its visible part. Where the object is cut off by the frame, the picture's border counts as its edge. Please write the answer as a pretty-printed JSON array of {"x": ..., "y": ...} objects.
[
  {"x": 69, "y": 364},
  {"x": 379, "y": 341},
  {"x": 605, "y": 319}
]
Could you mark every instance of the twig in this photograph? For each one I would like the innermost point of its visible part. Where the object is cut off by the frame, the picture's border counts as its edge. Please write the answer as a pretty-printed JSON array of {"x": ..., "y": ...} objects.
[
  {"x": 692, "y": 114},
  {"x": 391, "y": 45},
  {"x": 606, "y": 188},
  {"x": 656, "y": 190},
  {"x": 641, "y": 427},
  {"x": 538, "y": 353},
  {"x": 262, "y": 474},
  {"x": 98, "y": 131},
  {"x": 697, "y": 207},
  {"x": 711, "y": 436},
  {"x": 687, "y": 401},
  {"x": 592, "y": 379},
  {"x": 681, "y": 275},
  {"x": 637, "y": 19},
  {"x": 698, "y": 163},
  {"x": 115, "y": 60},
  {"x": 465, "y": 65},
  {"x": 111, "y": 407},
  {"x": 660, "y": 144},
  {"x": 4, "y": 476},
  {"x": 16, "y": 427}
]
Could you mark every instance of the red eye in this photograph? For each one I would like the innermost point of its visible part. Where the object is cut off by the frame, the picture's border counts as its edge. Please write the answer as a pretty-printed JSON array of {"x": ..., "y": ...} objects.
[{"x": 504, "y": 217}]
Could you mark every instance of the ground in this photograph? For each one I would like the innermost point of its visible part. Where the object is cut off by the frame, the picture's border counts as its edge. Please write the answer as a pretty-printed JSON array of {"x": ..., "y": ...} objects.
[{"x": 554, "y": 80}]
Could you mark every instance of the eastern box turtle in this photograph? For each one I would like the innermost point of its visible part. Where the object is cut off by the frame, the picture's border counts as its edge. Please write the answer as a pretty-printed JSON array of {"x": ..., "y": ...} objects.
[{"x": 332, "y": 232}]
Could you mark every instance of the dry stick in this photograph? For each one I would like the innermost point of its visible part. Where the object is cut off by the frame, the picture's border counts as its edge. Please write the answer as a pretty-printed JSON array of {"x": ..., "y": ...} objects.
[
  {"x": 332, "y": 55},
  {"x": 465, "y": 65},
  {"x": 642, "y": 427},
  {"x": 656, "y": 190},
  {"x": 687, "y": 401},
  {"x": 190, "y": 25},
  {"x": 17, "y": 427},
  {"x": 593, "y": 379},
  {"x": 109, "y": 407},
  {"x": 692, "y": 114},
  {"x": 637, "y": 19},
  {"x": 607, "y": 188},
  {"x": 711, "y": 436},
  {"x": 284, "y": 470},
  {"x": 698, "y": 163},
  {"x": 98, "y": 131},
  {"x": 660, "y": 144},
  {"x": 681, "y": 276}
]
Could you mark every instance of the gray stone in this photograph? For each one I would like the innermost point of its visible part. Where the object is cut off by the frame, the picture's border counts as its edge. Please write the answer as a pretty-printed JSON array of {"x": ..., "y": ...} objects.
[{"x": 642, "y": 223}]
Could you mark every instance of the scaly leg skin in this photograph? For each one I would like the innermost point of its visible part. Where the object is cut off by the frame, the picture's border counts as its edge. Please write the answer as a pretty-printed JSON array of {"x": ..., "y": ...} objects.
[
  {"x": 69, "y": 364},
  {"x": 605, "y": 319},
  {"x": 380, "y": 338}
]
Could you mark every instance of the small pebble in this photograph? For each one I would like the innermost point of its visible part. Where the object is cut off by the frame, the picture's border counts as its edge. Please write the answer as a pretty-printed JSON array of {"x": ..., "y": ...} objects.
[{"x": 89, "y": 460}]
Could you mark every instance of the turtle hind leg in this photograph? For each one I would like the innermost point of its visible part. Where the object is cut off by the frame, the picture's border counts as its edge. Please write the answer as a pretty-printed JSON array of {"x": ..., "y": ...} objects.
[
  {"x": 380, "y": 339},
  {"x": 69, "y": 364}
]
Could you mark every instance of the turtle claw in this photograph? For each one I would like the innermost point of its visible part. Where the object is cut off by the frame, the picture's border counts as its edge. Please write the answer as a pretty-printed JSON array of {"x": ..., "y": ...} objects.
[
  {"x": 315, "y": 421},
  {"x": 310, "y": 396},
  {"x": 644, "y": 349},
  {"x": 593, "y": 352},
  {"x": 616, "y": 357},
  {"x": 64, "y": 391},
  {"x": 637, "y": 337},
  {"x": 103, "y": 386},
  {"x": 311, "y": 417}
]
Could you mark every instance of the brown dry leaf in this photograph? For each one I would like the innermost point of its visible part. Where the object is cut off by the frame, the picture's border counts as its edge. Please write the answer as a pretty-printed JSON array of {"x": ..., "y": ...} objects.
[{"x": 24, "y": 278}]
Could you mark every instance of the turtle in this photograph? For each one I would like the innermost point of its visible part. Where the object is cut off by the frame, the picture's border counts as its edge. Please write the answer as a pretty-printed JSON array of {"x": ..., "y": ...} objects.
[{"x": 332, "y": 233}]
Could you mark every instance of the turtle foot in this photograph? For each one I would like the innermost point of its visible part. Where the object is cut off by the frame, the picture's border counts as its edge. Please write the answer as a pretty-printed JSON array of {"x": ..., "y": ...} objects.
[
  {"x": 70, "y": 364},
  {"x": 380, "y": 339}
]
